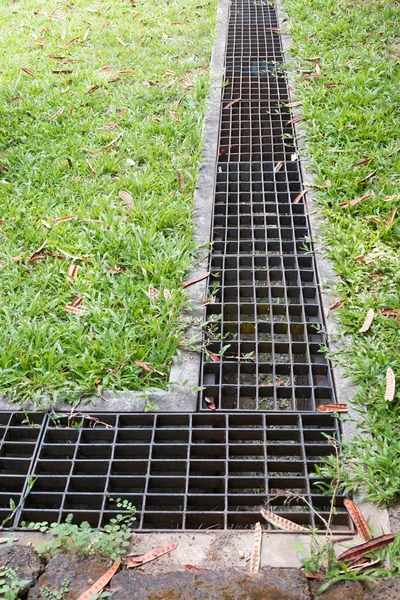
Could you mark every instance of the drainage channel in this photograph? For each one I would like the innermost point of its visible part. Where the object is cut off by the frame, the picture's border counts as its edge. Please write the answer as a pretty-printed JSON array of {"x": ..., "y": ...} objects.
[
  {"x": 181, "y": 472},
  {"x": 214, "y": 469},
  {"x": 266, "y": 326}
]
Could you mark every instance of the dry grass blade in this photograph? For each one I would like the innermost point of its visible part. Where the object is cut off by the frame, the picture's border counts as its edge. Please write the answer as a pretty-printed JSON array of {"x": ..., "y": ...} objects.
[
  {"x": 355, "y": 201},
  {"x": 196, "y": 280},
  {"x": 389, "y": 222},
  {"x": 332, "y": 408},
  {"x": 138, "y": 561},
  {"x": 368, "y": 321},
  {"x": 294, "y": 120},
  {"x": 256, "y": 552},
  {"x": 37, "y": 253},
  {"x": 101, "y": 583},
  {"x": 367, "y": 177},
  {"x": 299, "y": 197},
  {"x": 28, "y": 72},
  {"x": 67, "y": 218},
  {"x": 362, "y": 549},
  {"x": 359, "y": 521},
  {"x": 73, "y": 271},
  {"x": 280, "y": 522},
  {"x": 390, "y": 385},
  {"x": 278, "y": 167}
]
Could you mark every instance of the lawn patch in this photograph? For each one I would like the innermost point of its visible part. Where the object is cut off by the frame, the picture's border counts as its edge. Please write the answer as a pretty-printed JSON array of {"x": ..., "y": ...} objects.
[
  {"x": 101, "y": 108},
  {"x": 347, "y": 56}
]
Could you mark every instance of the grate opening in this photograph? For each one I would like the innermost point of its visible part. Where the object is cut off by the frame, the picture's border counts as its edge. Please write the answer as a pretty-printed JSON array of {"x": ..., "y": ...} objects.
[{"x": 192, "y": 472}]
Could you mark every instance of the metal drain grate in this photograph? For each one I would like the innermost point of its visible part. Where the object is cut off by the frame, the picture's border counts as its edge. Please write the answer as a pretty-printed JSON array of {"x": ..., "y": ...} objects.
[
  {"x": 187, "y": 472},
  {"x": 265, "y": 325}
]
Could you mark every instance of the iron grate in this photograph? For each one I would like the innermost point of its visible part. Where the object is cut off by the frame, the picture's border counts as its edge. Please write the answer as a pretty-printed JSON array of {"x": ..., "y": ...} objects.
[{"x": 182, "y": 472}]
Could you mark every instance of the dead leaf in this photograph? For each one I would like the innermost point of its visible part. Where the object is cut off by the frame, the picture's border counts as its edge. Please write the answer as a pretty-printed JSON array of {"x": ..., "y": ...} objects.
[
  {"x": 196, "y": 280},
  {"x": 355, "y": 201},
  {"x": 73, "y": 271},
  {"x": 256, "y": 554},
  {"x": 394, "y": 197},
  {"x": 210, "y": 403},
  {"x": 362, "y": 549},
  {"x": 46, "y": 224},
  {"x": 37, "y": 253},
  {"x": 144, "y": 272},
  {"x": 214, "y": 357},
  {"x": 28, "y": 72},
  {"x": 368, "y": 321},
  {"x": 101, "y": 583},
  {"x": 359, "y": 521},
  {"x": 294, "y": 104},
  {"x": 295, "y": 120},
  {"x": 57, "y": 114},
  {"x": 88, "y": 151},
  {"x": 362, "y": 162},
  {"x": 67, "y": 218},
  {"x": 138, "y": 561},
  {"x": 367, "y": 177},
  {"x": 153, "y": 292},
  {"x": 278, "y": 167},
  {"x": 93, "y": 89},
  {"x": 315, "y": 575},
  {"x": 389, "y": 222},
  {"x": 314, "y": 58},
  {"x": 127, "y": 198},
  {"x": 114, "y": 141},
  {"x": 147, "y": 367},
  {"x": 174, "y": 116},
  {"x": 280, "y": 522},
  {"x": 182, "y": 182},
  {"x": 299, "y": 197},
  {"x": 390, "y": 385},
  {"x": 336, "y": 303},
  {"x": 167, "y": 294},
  {"x": 195, "y": 569},
  {"x": 17, "y": 259},
  {"x": 332, "y": 408},
  {"x": 91, "y": 169},
  {"x": 232, "y": 102}
]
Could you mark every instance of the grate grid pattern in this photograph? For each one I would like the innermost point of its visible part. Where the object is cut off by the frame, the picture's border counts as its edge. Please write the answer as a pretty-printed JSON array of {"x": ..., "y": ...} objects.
[{"x": 182, "y": 472}]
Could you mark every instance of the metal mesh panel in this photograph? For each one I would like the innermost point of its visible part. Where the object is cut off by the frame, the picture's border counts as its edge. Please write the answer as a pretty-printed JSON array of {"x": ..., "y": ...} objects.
[{"x": 187, "y": 472}]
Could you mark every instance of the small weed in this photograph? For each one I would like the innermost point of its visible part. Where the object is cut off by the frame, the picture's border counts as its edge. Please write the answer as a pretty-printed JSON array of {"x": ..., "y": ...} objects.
[
  {"x": 10, "y": 584},
  {"x": 56, "y": 594}
]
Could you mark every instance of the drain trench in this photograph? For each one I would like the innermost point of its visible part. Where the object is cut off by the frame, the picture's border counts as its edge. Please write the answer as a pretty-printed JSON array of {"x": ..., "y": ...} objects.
[{"x": 214, "y": 469}]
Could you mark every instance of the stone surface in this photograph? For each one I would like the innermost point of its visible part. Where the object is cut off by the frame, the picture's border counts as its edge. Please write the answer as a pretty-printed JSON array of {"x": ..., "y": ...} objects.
[
  {"x": 80, "y": 571},
  {"x": 24, "y": 561},
  {"x": 271, "y": 584}
]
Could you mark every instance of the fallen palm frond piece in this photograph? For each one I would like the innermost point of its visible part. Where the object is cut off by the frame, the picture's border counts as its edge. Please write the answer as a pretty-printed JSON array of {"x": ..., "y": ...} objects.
[
  {"x": 101, "y": 583},
  {"x": 256, "y": 552},
  {"x": 138, "y": 561},
  {"x": 390, "y": 385},
  {"x": 368, "y": 321},
  {"x": 359, "y": 521},
  {"x": 354, "y": 554},
  {"x": 280, "y": 522}
]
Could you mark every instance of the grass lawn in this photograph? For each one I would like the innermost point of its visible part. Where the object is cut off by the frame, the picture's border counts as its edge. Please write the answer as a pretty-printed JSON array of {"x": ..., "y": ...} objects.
[
  {"x": 347, "y": 56},
  {"x": 101, "y": 110}
]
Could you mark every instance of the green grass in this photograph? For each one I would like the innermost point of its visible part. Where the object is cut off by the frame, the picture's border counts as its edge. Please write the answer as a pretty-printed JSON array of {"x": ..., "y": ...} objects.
[
  {"x": 358, "y": 46},
  {"x": 124, "y": 114}
]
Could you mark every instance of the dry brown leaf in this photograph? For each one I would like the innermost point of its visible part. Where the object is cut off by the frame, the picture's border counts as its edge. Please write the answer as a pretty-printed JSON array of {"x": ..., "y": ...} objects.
[
  {"x": 88, "y": 151},
  {"x": 147, "y": 367},
  {"x": 91, "y": 169},
  {"x": 280, "y": 522},
  {"x": 294, "y": 104},
  {"x": 362, "y": 162},
  {"x": 196, "y": 280},
  {"x": 144, "y": 272},
  {"x": 17, "y": 259},
  {"x": 214, "y": 357},
  {"x": 295, "y": 120},
  {"x": 359, "y": 521},
  {"x": 390, "y": 385},
  {"x": 127, "y": 198},
  {"x": 210, "y": 403},
  {"x": 389, "y": 222},
  {"x": 195, "y": 569},
  {"x": 73, "y": 271},
  {"x": 278, "y": 167},
  {"x": 336, "y": 303},
  {"x": 93, "y": 89},
  {"x": 367, "y": 177},
  {"x": 74, "y": 310},
  {"x": 37, "y": 253},
  {"x": 57, "y": 114},
  {"x": 355, "y": 201},
  {"x": 46, "y": 224},
  {"x": 67, "y": 218},
  {"x": 28, "y": 72},
  {"x": 362, "y": 549},
  {"x": 368, "y": 321},
  {"x": 167, "y": 294},
  {"x": 174, "y": 116},
  {"x": 232, "y": 102},
  {"x": 153, "y": 292},
  {"x": 138, "y": 561},
  {"x": 256, "y": 552},
  {"x": 299, "y": 197},
  {"x": 332, "y": 408},
  {"x": 394, "y": 197},
  {"x": 101, "y": 583},
  {"x": 114, "y": 141},
  {"x": 181, "y": 182}
]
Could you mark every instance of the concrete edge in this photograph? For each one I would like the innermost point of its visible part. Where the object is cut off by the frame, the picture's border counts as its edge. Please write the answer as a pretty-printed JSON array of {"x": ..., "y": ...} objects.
[
  {"x": 181, "y": 395},
  {"x": 343, "y": 386}
]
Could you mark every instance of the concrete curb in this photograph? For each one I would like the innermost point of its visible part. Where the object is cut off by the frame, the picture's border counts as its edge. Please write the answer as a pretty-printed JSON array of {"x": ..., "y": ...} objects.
[
  {"x": 185, "y": 370},
  {"x": 326, "y": 275}
]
